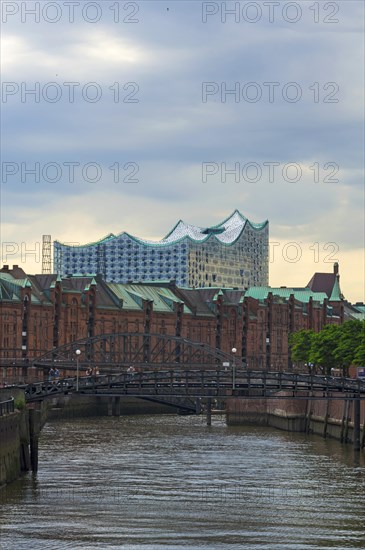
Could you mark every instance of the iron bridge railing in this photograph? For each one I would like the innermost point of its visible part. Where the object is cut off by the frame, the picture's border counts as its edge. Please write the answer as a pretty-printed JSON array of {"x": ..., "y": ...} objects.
[{"x": 201, "y": 383}]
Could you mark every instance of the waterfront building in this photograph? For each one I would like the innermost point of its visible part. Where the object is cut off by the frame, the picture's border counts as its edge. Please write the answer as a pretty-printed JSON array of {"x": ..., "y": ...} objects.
[
  {"x": 234, "y": 253},
  {"x": 42, "y": 312}
]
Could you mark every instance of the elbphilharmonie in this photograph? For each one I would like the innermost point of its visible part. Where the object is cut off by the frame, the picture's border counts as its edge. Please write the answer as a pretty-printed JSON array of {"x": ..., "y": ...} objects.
[{"x": 234, "y": 254}]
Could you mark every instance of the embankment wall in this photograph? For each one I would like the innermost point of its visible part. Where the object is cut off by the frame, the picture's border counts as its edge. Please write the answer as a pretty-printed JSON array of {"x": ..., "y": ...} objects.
[{"x": 332, "y": 417}]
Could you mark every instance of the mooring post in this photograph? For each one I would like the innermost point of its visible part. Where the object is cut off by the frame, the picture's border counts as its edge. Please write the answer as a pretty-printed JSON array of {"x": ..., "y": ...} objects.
[
  {"x": 326, "y": 418},
  {"x": 345, "y": 407},
  {"x": 33, "y": 441},
  {"x": 362, "y": 445},
  {"x": 209, "y": 411},
  {"x": 357, "y": 424},
  {"x": 308, "y": 413}
]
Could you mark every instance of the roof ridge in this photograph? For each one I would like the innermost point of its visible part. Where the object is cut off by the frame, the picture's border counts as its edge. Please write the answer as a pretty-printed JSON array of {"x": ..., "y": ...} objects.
[{"x": 182, "y": 230}]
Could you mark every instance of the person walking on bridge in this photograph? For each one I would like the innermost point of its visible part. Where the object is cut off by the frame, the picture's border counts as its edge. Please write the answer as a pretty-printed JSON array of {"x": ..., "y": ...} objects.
[{"x": 131, "y": 371}]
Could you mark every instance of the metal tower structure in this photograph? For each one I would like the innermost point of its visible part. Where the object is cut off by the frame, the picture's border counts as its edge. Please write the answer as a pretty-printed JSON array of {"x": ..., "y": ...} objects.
[{"x": 46, "y": 254}]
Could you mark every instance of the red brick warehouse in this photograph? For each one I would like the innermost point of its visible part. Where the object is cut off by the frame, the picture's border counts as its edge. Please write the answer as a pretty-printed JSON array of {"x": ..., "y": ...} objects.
[{"x": 41, "y": 312}]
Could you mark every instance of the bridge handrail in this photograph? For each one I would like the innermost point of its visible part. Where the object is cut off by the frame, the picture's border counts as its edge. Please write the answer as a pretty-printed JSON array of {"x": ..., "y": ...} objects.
[
  {"x": 7, "y": 407},
  {"x": 186, "y": 379}
]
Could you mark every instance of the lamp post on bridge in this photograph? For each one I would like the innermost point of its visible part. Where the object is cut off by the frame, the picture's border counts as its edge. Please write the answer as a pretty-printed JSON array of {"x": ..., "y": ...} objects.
[
  {"x": 78, "y": 353},
  {"x": 234, "y": 351},
  {"x": 268, "y": 353}
]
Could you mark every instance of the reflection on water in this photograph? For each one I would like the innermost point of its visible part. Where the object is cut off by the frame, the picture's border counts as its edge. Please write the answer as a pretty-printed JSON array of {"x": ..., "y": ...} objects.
[{"x": 171, "y": 482}]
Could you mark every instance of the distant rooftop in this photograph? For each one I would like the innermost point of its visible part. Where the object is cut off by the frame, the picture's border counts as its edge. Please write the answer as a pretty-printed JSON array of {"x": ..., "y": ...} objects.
[{"x": 328, "y": 283}]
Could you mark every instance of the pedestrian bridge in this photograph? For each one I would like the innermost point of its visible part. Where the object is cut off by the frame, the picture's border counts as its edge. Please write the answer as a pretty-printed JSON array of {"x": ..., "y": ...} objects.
[
  {"x": 182, "y": 383},
  {"x": 172, "y": 370}
]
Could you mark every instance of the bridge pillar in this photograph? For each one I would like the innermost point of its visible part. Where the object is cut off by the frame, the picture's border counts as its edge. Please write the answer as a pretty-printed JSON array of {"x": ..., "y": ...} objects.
[
  {"x": 209, "y": 411},
  {"x": 110, "y": 406},
  {"x": 116, "y": 407},
  {"x": 356, "y": 424}
]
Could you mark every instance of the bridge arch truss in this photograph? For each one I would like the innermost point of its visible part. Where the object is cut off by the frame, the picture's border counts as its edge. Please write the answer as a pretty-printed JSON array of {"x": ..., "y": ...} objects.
[{"x": 137, "y": 349}]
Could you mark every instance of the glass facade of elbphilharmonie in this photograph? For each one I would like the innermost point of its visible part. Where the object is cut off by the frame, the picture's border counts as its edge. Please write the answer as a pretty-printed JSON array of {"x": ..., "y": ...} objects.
[{"x": 234, "y": 254}]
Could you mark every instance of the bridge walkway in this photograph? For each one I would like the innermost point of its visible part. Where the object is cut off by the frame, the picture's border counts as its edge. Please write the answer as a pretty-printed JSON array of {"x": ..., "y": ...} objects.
[{"x": 192, "y": 383}]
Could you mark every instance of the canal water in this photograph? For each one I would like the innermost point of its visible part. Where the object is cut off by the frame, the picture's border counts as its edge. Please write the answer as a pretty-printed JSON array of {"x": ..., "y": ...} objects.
[{"x": 171, "y": 482}]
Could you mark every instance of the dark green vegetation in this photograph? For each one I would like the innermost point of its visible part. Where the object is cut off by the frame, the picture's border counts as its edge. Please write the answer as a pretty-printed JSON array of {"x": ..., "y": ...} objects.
[{"x": 335, "y": 346}]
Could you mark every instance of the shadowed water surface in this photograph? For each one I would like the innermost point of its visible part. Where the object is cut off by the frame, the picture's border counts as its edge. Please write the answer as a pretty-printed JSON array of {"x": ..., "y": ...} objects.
[{"x": 170, "y": 482}]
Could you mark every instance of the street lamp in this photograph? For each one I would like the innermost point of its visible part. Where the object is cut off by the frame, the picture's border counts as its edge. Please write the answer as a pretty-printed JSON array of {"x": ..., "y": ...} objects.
[
  {"x": 78, "y": 352},
  {"x": 268, "y": 353},
  {"x": 234, "y": 351}
]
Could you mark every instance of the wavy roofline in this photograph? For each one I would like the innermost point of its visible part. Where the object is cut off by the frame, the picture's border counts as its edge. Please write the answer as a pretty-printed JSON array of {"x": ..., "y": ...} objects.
[
  {"x": 108, "y": 237},
  {"x": 162, "y": 243},
  {"x": 257, "y": 226}
]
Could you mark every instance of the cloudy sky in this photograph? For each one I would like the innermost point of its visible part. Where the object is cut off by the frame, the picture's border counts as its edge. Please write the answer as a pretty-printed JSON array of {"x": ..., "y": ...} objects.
[{"x": 131, "y": 115}]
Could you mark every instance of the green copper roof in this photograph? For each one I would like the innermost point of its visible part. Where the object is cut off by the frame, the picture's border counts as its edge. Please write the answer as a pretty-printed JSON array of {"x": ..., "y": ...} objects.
[
  {"x": 92, "y": 283},
  {"x": 8, "y": 291},
  {"x": 336, "y": 295},
  {"x": 11, "y": 287},
  {"x": 359, "y": 316},
  {"x": 300, "y": 294},
  {"x": 218, "y": 294},
  {"x": 121, "y": 292},
  {"x": 22, "y": 283},
  {"x": 133, "y": 295}
]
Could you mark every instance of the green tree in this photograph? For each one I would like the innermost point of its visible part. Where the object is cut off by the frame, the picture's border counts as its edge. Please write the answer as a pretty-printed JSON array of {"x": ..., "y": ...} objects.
[
  {"x": 19, "y": 402},
  {"x": 323, "y": 348},
  {"x": 350, "y": 337},
  {"x": 300, "y": 345},
  {"x": 359, "y": 354}
]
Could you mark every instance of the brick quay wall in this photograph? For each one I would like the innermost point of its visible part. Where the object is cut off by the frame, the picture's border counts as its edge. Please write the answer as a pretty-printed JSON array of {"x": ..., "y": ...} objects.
[
  {"x": 19, "y": 432},
  {"x": 326, "y": 417}
]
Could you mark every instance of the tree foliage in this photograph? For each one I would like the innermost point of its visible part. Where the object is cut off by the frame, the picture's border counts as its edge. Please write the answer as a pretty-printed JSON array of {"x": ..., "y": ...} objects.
[
  {"x": 351, "y": 335},
  {"x": 323, "y": 347},
  {"x": 359, "y": 357},
  {"x": 300, "y": 344},
  {"x": 335, "y": 346}
]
